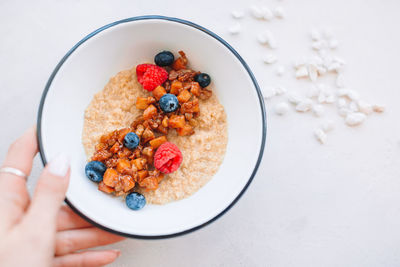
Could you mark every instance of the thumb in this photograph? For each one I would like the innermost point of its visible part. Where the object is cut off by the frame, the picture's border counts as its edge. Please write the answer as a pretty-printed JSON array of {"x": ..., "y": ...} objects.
[{"x": 50, "y": 191}]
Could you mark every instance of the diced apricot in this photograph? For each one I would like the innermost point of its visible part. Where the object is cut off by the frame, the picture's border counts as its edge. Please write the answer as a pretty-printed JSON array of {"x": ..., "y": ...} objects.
[
  {"x": 190, "y": 107},
  {"x": 127, "y": 183},
  {"x": 140, "y": 163},
  {"x": 176, "y": 121},
  {"x": 176, "y": 87},
  {"x": 184, "y": 96},
  {"x": 150, "y": 183},
  {"x": 102, "y": 155},
  {"x": 165, "y": 121},
  {"x": 149, "y": 112},
  {"x": 139, "y": 130},
  {"x": 156, "y": 142},
  {"x": 147, "y": 135},
  {"x": 100, "y": 146},
  {"x": 185, "y": 130},
  {"x": 142, "y": 174},
  {"x": 195, "y": 89},
  {"x": 151, "y": 100},
  {"x": 160, "y": 177},
  {"x": 115, "y": 148},
  {"x": 124, "y": 153},
  {"x": 141, "y": 103},
  {"x": 162, "y": 129},
  {"x": 122, "y": 165},
  {"x": 122, "y": 133},
  {"x": 181, "y": 62},
  {"x": 110, "y": 177},
  {"x": 148, "y": 151},
  {"x": 105, "y": 188},
  {"x": 159, "y": 92}
]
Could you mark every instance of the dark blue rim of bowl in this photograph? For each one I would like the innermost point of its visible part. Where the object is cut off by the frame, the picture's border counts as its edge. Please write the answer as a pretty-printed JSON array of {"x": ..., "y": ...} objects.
[{"x": 191, "y": 24}]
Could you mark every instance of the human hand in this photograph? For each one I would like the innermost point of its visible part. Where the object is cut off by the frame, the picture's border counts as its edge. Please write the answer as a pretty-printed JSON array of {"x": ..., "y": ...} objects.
[{"x": 43, "y": 232}]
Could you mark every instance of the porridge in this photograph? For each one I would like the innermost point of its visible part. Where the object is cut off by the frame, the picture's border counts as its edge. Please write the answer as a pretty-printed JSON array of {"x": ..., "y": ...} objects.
[{"x": 135, "y": 122}]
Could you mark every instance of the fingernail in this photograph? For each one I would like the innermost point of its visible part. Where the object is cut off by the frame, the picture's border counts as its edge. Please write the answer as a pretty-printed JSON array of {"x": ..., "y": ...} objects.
[
  {"x": 117, "y": 252},
  {"x": 59, "y": 165}
]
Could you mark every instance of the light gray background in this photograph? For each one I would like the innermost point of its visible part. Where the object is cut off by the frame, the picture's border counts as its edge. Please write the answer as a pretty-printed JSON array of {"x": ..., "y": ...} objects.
[{"x": 309, "y": 205}]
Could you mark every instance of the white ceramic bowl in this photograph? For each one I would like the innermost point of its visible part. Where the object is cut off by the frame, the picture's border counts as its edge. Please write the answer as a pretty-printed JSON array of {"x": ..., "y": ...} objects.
[{"x": 86, "y": 68}]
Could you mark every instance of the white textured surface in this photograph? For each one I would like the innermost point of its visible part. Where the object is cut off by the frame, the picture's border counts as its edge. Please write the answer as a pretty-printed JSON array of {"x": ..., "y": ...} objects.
[{"x": 309, "y": 205}]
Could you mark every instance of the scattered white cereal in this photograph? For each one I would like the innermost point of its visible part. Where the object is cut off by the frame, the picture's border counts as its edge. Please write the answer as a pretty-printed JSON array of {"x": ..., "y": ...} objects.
[
  {"x": 256, "y": 12},
  {"x": 266, "y": 13},
  {"x": 266, "y": 38},
  {"x": 353, "y": 106},
  {"x": 268, "y": 93},
  {"x": 321, "y": 70},
  {"x": 364, "y": 107},
  {"x": 354, "y": 119},
  {"x": 320, "y": 135},
  {"x": 281, "y": 108},
  {"x": 294, "y": 98},
  {"x": 280, "y": 70},
  {"x": 269, "y": 59},
  {"x": 353, "y": 95},
  {"x": 280, "y": 90},
  {"x": 237, "y": 14},
  {"x": 315, "y": 35},
  {"x": 378, "y": 108},
  {"x": 333, "y": 43},
  {"x": 312, "y": 72},
  {"x": 279, "y": 12},
  {"x": 301, "y": 72},
  {"x": 304, "y": 105},
  {"x": 235, "y": 29},
  {"x": 327, "y": 125},
  {"x": 339, "y": 81},
  {"x": 318, "y": 110}
]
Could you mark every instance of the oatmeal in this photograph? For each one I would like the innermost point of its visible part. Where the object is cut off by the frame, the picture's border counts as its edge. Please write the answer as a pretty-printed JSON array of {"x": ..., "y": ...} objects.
[{"x": 202, "y": 138}]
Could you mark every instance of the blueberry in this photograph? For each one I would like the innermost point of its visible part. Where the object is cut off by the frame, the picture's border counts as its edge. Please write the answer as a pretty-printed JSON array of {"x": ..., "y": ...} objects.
[
  {"x": 131, "y": 140},
  {"x": 164, "y": 58},
  {"x": 169, "y": 103},
  {"x": 95, "y": 170},
  {"x": 203, "y": 79},
  {"x": 135, "y": 201}
]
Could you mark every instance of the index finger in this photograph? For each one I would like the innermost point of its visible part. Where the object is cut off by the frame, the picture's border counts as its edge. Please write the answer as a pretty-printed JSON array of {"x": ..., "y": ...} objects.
[{"x": 14, "y": 197}]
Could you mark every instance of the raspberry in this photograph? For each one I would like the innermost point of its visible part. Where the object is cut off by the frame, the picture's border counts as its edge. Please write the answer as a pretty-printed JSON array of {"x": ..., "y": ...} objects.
[
  {"x": 167, "y": 158},
  {"x": 150, "y": 76}
]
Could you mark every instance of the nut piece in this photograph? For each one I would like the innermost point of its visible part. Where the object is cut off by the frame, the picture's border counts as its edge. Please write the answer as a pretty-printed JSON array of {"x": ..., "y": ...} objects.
[
  {"x": 149, "y": 112},
  {"x": 281, "y": 108},
  {"x": 354, "y": 119},
  {"x": 320, "y": 135}
]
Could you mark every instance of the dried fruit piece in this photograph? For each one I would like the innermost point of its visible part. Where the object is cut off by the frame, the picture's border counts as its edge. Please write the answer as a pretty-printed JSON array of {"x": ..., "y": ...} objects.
[
  {"x": 111, "y": 177},
  {"x": 149, "y": 112},
  {"x": 176, "y": 121},
  {"x": 105, "y": 188},
  {"x": 176, "y": 87},
  {"x": 141, "y": 103},
  {"x": 185, "y": 130},
  {"x": 156, "y": 142},
  {"x": 181, "y": 62},
  {"x": 184, "y": 96},
  {"x": 159, "y": 92}
]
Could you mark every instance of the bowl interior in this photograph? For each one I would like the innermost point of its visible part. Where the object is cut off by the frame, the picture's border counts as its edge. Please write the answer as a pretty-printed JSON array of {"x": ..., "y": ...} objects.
[{"x": 122, "y": 46}]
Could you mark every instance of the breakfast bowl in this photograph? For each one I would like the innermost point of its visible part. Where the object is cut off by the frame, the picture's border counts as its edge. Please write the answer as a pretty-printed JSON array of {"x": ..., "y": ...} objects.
[{"x": 86, "y": 69}]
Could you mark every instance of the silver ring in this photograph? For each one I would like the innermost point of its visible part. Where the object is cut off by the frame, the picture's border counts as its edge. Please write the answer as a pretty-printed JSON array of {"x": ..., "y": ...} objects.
[{"x": 14, "y": 171}]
